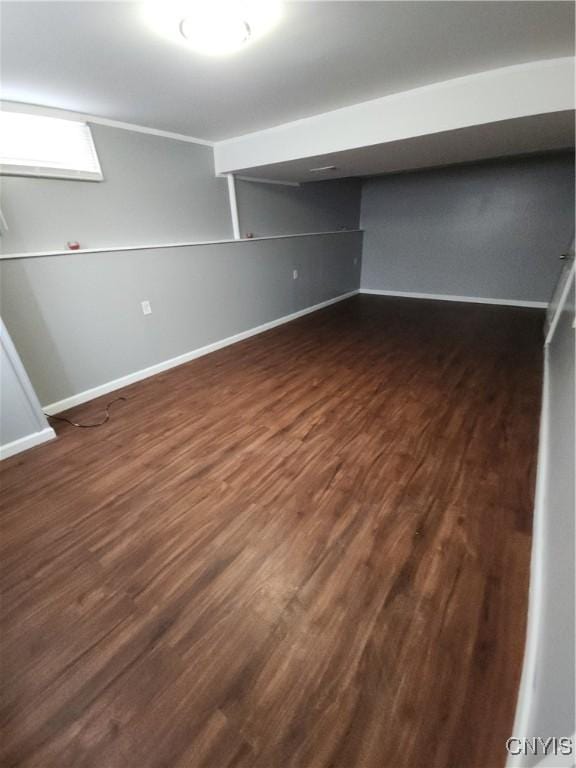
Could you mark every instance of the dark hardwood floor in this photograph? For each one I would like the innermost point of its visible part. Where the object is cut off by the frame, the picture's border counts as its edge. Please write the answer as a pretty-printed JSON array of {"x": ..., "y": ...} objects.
[{"x": 307, "y": 550}]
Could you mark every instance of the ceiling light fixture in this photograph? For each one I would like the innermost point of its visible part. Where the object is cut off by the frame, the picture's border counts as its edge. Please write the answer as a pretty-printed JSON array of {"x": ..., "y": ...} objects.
[
  {"x": 323, "y": 168},
  {"x": 213, "y": 27},
  {"x": 213, "y": 34}
]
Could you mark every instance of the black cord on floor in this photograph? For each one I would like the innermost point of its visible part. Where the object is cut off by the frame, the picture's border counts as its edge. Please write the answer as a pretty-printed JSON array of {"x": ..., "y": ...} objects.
[{"x": 89, "y": 426}]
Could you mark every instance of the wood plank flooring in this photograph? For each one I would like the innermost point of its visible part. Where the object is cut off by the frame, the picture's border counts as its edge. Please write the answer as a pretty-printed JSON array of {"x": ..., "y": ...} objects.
[{"x": 307, "y": 550}]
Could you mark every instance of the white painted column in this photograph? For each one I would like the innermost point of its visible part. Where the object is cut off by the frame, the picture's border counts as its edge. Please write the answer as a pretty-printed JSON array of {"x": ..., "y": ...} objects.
[{"x": 233, "y": 206}]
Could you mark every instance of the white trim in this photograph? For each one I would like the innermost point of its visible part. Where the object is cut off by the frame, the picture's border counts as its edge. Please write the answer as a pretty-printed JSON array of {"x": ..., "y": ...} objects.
[
  {"x": 266, "y": 181},
  {"x": 131, "y": 378},
  {"x": 233, "y": 206},
  {"x": 39, "y": 172},
  {"x": 24, "y": 443},
  {"x": 148, "y": 247},
  {"x": 561, "y": 302},
  {"x": 38, "y": 422},
  {"x": 449, "y": 297},
  {"x": 37, "y": 109},
  {"x": 536, "y": 591},
  {"x": 13, "y": 359}
]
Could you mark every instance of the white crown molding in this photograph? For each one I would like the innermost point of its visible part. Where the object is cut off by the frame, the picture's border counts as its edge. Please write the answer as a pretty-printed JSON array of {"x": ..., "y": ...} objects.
[{"x": 64, "y": 114}]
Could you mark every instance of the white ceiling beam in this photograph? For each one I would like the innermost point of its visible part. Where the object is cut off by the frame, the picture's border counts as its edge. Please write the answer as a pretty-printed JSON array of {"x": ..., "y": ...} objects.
[{"x": 535, "y": 88}]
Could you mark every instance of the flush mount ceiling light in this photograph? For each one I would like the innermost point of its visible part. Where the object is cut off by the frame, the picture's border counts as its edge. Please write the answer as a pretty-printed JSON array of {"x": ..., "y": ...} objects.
[
  {"x": 212, "y": 34},
  {"x": 213, "y": 27}
]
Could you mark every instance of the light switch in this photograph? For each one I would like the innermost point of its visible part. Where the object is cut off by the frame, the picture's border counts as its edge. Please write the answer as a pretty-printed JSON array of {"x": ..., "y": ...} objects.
[{"x": 146, "y": 307}]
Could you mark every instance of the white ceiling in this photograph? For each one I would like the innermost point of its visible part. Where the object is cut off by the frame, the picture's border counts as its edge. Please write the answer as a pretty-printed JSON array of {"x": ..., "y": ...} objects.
[{"x": 100, "y": 58}]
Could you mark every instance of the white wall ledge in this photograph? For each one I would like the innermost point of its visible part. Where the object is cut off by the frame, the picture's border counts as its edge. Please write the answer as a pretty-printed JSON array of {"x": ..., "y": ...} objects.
[{"x": 149, "y": 247}]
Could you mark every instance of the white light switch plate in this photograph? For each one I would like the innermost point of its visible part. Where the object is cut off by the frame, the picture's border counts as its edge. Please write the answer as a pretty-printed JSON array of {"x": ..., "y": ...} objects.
[{"x": 146, "y": 307}]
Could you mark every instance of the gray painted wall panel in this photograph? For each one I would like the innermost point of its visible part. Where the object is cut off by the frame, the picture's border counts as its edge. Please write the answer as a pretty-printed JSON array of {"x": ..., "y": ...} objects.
[
  {"x": 77, "y": 322},
  {"x": 155, "y": 190},
  {"x": 273, "y": 209},
  {"x": 493, "y": 230}
]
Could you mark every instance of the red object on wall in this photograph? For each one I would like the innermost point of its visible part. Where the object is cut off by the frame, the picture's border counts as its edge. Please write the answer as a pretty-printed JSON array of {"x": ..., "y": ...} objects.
[{"x": 73, "y": 245}]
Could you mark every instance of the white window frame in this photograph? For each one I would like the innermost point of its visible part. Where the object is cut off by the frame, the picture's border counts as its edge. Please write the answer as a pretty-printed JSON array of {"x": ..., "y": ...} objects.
[{"x": 59, "y": 167}]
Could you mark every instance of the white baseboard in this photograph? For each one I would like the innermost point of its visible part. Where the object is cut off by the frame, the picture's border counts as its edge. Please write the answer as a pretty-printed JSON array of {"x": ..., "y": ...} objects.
[
  {"x": 24, "y": 443},
  {"x": 144, "y": 373},
  {"x": 448, "y": 297}
]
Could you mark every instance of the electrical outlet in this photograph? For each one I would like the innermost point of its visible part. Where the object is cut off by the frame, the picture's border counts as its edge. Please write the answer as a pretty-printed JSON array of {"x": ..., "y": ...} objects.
[
  {"x": 146, "y": 307},
  {"x": 295, "y": 274}
]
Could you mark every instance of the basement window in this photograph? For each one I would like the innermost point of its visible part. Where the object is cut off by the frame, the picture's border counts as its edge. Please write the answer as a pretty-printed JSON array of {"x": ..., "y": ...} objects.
[{"x": 33, "y": 145}]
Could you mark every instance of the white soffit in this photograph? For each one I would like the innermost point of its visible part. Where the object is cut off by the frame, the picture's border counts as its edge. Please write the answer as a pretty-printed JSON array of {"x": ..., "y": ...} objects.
[
  {"x": 506, "y": 138},
  {"x": 512, "y": 110}
]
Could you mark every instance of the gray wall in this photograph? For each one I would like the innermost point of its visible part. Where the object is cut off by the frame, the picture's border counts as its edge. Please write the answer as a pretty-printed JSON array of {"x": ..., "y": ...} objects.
[
  {"x": 492, "y": 230},
  {"x": 155, "y": 190},
  {"x": 76, "y": 320},
  {"x": 272, "y": 209},
  {"x": 77, "y": 323}
]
